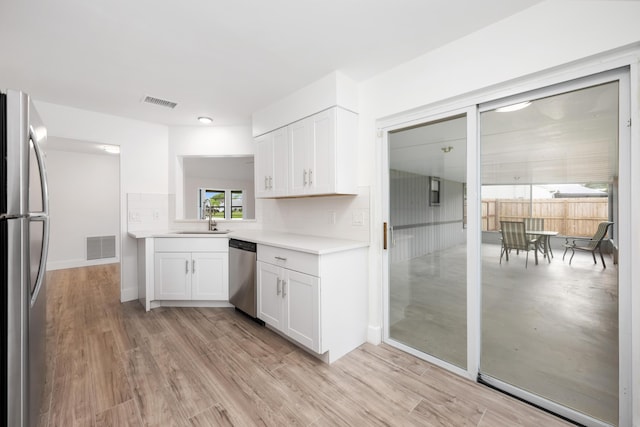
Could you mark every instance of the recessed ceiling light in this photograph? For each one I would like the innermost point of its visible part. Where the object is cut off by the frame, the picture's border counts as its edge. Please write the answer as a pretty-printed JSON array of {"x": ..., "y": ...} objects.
[
  {"x": 205, "y": 120},
  {"x": 513, "y": 107}
]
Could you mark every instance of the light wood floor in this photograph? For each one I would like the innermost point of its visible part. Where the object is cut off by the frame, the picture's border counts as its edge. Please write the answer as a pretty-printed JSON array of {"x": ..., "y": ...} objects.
[{"x": 113, "y": 364}]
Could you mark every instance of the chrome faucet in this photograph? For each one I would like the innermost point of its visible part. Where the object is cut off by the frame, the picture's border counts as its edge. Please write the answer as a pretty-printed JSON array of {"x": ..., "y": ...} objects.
[{"x": 213, "y": 225}]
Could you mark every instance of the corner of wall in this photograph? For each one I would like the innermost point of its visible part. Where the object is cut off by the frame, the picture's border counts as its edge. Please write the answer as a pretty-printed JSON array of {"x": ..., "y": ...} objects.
[{"x": 374, "y": 335}]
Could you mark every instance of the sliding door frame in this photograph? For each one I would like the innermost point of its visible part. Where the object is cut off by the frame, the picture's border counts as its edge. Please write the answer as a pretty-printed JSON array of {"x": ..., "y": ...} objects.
[
  {"x": 470, "y": 114},
  {"x": 605, "y": 68},
  {"x": 624, "y": 286}
]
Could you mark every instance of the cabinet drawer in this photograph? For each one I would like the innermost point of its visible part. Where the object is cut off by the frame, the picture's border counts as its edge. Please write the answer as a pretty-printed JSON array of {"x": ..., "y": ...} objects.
[
  {"x": 293, "y": 260},
  {"x": 191, "y": 244}
]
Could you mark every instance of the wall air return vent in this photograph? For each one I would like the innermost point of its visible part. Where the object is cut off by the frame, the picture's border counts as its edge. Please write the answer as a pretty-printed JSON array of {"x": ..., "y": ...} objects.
[
  {"x": 101, "y": 247},
  {"x": 161, "y": 102}
]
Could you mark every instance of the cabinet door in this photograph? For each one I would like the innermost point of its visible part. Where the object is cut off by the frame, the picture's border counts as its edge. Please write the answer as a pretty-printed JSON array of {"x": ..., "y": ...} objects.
[
  {"x": 270, "y": 294},
  {"x": 172, "y": 275},
  {"x": 263, "y": 164},
  {"x": 322, "y": 153},
  {"x": 279, "y": 185},
  {"x": 210, "y": 276},
  {"x": 299, "y": 139},
  {"x": 302, "y": 298}
]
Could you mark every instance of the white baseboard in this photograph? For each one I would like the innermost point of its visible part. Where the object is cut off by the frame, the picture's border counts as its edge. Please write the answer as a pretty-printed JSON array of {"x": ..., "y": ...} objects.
[
  {"x": 76, "y": 263},
  {"x": 219, "y": 304},
  {"x": 374, "y": 335}
]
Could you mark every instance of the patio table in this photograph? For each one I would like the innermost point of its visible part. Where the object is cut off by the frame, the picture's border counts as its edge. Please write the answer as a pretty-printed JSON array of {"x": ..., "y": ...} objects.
[{"x": 545, "y": 239}]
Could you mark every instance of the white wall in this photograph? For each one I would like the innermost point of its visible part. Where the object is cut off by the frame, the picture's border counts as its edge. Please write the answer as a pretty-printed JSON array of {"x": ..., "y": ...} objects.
[
  {"x": 143, "y": 164},
  {"x": 84, "y": 194},
  {"x": 547, "y": 37}
]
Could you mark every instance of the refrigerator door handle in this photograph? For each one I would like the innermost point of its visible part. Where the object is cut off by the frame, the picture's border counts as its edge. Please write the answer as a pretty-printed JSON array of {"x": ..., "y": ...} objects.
[
  {"x": 42, "y": 268},
  {"x": 36, "y": 138},
  {"x": 43, "y": 216}
]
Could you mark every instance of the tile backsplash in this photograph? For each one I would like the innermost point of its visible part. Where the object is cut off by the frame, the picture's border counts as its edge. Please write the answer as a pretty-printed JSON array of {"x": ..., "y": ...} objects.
[
  {"x": 345, "y": 217},
  {"x": 147, "y": 212}
]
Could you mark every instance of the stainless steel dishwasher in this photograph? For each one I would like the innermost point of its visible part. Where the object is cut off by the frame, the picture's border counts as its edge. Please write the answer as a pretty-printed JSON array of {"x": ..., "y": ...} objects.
[{"x": 242, "y": 276}]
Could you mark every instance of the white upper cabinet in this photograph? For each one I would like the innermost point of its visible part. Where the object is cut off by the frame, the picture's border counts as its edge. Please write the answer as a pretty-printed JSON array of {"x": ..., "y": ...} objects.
[
  {"x": 320, "y": 157},
  {"x": 271, "y": 164}
]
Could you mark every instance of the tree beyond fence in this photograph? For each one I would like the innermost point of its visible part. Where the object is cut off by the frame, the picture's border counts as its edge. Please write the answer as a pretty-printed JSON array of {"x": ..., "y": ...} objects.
[{"x": 577, "y": 217}]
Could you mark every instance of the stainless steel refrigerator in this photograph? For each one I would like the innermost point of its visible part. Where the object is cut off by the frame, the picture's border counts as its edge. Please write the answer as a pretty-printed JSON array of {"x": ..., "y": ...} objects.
[{"x": 24, "y": 236}]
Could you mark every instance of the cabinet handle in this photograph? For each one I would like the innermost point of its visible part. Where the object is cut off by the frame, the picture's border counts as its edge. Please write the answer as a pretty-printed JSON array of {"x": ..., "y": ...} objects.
[
  {"x": 279, "y": 258},
  {"x": 304, "y": 177},
  {"x": 186, "y": 267},
  {"x": 193, "y": 267},
  {"x": 310, "y": 177},
  {"x": 284, "y": 288},
  {"x": 278, "y": 286},
  {"x": 266, "y": 183},
  {"x": 270, "y": 182}
]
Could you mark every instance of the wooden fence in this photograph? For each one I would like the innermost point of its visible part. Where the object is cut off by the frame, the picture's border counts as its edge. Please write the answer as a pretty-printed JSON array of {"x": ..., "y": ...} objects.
[{"x": 569, "y": 217}]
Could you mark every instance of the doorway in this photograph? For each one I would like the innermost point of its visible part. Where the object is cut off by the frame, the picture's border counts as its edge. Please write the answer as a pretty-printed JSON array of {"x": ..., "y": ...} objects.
[
  {"x": 84, "y": 184},
  {"x": 547, "y": 331},
  {"x": 427, "y": 258},
  {"x": 550, "y": 330}
]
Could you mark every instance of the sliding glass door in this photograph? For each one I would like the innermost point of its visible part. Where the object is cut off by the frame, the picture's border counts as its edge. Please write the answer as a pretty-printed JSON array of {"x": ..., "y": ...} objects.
[
  {"x": 428, "y": 249},
  {"x": 549, "y": 181}
]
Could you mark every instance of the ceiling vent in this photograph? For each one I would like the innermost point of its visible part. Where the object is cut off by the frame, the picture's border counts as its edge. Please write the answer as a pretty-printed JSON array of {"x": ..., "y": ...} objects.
[{"x": 161, "y": 102}]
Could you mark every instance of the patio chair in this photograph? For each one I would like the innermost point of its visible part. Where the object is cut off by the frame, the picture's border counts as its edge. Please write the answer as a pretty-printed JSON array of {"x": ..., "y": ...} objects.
[
  {"x": 514, "y": 236},
  {"x": 589, "y": 245},
  {"x": 536, "y": 224}
]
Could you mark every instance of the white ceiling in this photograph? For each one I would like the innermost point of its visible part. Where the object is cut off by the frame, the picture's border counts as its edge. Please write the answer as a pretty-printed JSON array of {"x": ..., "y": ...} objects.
[{"x": 221, "y": 59}]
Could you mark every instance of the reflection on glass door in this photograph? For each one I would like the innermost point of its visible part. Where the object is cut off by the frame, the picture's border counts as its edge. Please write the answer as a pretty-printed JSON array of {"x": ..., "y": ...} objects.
[
  {"x": 428, "y": 250},
  {"x": 550, "y": 330}
]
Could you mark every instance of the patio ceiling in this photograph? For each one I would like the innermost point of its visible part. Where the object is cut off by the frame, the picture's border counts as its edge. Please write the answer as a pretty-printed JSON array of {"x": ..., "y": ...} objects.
[{"x": 568, "y": 138}]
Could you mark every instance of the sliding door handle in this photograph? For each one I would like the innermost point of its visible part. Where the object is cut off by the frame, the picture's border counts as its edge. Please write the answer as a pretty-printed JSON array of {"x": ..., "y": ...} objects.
[{"x": 384, "y": 235}]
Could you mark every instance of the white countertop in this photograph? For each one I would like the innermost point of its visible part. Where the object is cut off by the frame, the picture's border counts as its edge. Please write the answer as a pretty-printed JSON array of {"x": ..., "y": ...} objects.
[
  {"x": 145, "y": 234},
  {"x": 297, "y": 242}
]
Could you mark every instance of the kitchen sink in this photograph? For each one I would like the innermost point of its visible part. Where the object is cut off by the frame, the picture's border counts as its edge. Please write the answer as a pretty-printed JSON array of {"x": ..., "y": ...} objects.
[{"x": 203, "y": 232}]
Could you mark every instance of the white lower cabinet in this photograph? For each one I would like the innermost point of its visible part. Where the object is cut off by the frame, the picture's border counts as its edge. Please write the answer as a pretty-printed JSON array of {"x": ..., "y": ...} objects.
[
  {"x": 198, "y": 275},
  {"x": 289, "y": 302},
  {"x": 319, "y": 301},
  {"x": 210, "y": 276},
  {"x": 173, "y": 277}
]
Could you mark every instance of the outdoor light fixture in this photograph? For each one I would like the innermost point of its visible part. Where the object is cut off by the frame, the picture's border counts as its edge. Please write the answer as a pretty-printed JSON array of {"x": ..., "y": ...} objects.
[
  {"x": 513, "y": 107},
  {"x": 446, "y": 149}
]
